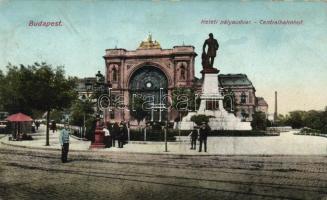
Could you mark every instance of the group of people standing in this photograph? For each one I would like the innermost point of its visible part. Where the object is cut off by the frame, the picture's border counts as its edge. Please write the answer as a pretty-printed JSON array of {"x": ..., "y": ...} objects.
[
  {"x": 115, "y": 132},
  {"x": 200, "y": 133},
  {"x": 119, "y": 132}
]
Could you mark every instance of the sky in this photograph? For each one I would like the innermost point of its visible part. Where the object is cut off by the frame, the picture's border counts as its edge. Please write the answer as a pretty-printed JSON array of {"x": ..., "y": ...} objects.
[{"x": 289, "y": 59}]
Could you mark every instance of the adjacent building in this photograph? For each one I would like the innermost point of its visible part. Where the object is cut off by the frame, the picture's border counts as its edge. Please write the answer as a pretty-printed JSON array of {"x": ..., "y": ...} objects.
[
  {"x": 262, "y": 105},
  {"x": 242, "y": 91},
  {"x": 85, "y": 87}
]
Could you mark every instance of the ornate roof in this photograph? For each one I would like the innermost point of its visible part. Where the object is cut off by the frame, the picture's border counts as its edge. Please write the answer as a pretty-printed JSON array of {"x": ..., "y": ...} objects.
[
  {"x": 261, "y": 101},
  {"x": 228, "y": 80},
  {"x": 149, "y": 43}
]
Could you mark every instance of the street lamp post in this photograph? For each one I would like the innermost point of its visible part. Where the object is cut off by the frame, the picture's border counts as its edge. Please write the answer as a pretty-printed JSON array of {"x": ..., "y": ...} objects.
[
  {"x": 110, "y": 99},
  {"x": 88, "y": 88},
  {"x": 161, "y": 106},
  {"x": 100, "y": 88},
  {"x": 165, "y": 132}
]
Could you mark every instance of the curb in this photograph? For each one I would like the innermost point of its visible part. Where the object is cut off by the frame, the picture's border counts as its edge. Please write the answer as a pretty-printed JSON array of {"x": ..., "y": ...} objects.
[
  {"x": 27, "y": 147},
  {"x": 165, "y": 153},
  {"x": 41, "y": 148},
  {"x": 37, "y": 148}
]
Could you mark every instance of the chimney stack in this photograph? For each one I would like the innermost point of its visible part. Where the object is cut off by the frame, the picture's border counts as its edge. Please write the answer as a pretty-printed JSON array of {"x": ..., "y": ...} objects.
[{"x": 275, "y": 113}]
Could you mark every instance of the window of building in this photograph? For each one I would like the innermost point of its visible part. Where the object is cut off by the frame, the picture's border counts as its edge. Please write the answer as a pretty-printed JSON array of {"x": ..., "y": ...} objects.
[
  {"x": 229, "y": 102},
  {"x": 250, "y": 97},
  {"x": 244, "y": 115},
  {"x": 114, "y": 74},
  {"x": 243, "y": 98}
]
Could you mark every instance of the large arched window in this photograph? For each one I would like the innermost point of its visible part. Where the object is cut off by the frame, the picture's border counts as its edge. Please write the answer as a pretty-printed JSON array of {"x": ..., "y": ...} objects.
[
  {"x": 150, "y": 83},
  {"x": 229, "y": 101},
  {"x": 111, "y": 106},
  {"x": 114, "y": 74},
  {"x": 182, "y": 72}
]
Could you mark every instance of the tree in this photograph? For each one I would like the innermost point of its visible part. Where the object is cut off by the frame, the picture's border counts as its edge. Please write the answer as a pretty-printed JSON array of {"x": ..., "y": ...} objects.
[
  {"x": 79, "y": 110},
  {"x": 12, "y": 96},
  {"x": 324, "y": 121},
  {"x": 282, "y": 120},
  {"x": 1, "y": 84},
  {"x": 53, "y": 90},
  {"x": 57, "y": 115},
  {"x": 259, "y": 121},
  {"x": 137, "y": 108},
  {"x": 313, "y": 119},
  {"x": 83, "y": 112},
  {"x": 90, "y": 124},
  {"x": 38, "y": 87},
  {"x": 198, "y": 119},
  {"x": 296, "y": 119},
  {"x": 184, "y": 100}
]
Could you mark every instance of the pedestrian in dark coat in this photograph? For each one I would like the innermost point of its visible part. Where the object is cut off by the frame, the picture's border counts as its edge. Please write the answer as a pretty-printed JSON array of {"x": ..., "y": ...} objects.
[
  {"x": 122, "y": 134},
  {"x": 120, "y": 137},
  {"x": 114, "y": 133},
  {"x": 204, "y": 130},
  {"x": 194, "y": 137},
  {"x": 125, "y": 132},
  {"x": 37, "y": 125},
  {"x": 53, "y": 126}
]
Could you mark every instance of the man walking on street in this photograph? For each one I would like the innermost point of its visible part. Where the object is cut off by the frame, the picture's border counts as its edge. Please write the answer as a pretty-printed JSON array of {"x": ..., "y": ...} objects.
[
  {"x": 64, "y": 142},
  {"x": 194, "y": 137},
  {"x": 53, "y": 126},
  {"x": 204, "y": 129},
  {"x": 37, "y": 125},
  {"x": 122, "y": 134},
  {"x": 114, "y": 133}
]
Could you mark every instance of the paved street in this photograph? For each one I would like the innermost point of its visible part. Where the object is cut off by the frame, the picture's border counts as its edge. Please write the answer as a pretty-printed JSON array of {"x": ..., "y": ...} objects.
[
  {"x": 285, "y": 144},
  {"x": 38, "y": 174}
]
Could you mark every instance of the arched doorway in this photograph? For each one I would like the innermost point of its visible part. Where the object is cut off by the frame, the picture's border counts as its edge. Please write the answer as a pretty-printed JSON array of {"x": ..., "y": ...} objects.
[{"x": 150, "y": 84}]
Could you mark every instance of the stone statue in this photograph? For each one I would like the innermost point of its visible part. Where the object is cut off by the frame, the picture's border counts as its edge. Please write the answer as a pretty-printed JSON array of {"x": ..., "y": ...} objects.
[{"x": 209, "y": 56}]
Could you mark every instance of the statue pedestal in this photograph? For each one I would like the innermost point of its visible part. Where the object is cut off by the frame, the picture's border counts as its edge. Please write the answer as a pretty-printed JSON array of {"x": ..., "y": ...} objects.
[
  {"x": 209, "y": 70},
  {"x": 212, "y": 105},
  {"x": 98, "y": 138},
  {"x": 210, "y": 96}
]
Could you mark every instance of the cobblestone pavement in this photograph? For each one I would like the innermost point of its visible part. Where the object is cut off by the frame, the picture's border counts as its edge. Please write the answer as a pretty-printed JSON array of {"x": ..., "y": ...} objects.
[{"x": 38, "y": 174}]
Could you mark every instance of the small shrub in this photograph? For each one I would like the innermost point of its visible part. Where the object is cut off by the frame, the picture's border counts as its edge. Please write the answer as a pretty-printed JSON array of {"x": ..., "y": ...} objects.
[{"x": 198, "y": 119}]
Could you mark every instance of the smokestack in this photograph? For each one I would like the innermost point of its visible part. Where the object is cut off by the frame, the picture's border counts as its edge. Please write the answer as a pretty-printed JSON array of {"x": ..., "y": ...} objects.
[{"x": 275, "y": 113}]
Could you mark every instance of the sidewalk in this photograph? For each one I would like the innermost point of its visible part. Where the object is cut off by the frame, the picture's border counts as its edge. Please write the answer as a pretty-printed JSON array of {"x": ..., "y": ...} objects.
[
  {"x": 39, "y": 139},
  {"x": 285, "y": 144}
]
